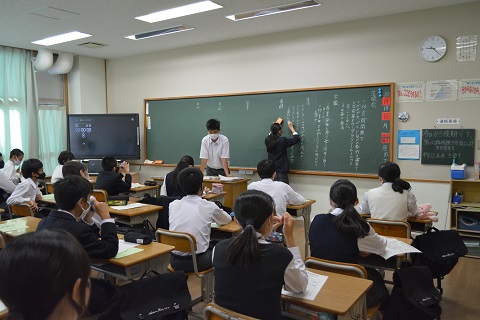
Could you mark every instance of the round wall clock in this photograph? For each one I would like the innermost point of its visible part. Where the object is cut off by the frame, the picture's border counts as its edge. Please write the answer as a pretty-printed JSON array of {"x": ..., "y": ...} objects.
[{"x": 433, "y": 48}]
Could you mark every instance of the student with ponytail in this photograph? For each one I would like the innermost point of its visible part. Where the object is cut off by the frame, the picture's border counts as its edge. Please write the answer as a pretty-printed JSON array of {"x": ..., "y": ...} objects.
[
  {"x": 343, "y": 235},
  {"x": 277, "y": 149},
  {"x": 249, "y": 271},
  {"x": 393, "y": 200}
]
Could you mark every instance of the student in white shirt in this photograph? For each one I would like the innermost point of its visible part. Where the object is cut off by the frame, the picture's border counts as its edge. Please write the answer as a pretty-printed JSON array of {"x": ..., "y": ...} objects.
[
  {"x": 194, "y": 215},
  {"x": 281, "y": 192},
  {"x": 6, "y": 188},
  {"x": 63, "y": 157},
  {"x": 12, "y": 167},
  {"x": 27, "y": 191},
  {"x": 215, "y": 151}
]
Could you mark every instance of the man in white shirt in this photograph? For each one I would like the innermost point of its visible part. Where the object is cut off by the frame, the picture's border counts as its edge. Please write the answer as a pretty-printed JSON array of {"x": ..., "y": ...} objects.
[
  {"x": 27, "y": 191},
  {"x": 215, "y": 151},
  {"x": 12, "y": 173},
  {"x": 281, "y": 192},
  {"x": 6, "y": 188}
]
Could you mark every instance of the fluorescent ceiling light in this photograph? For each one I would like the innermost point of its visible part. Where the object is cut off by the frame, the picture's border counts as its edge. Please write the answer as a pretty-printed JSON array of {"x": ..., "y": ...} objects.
[
  {"x": 180, "y": 11},
  {"x": 273, "y": 10},
  {"x": 160, "y": 32},
  {"x": 75, "y": 35}
]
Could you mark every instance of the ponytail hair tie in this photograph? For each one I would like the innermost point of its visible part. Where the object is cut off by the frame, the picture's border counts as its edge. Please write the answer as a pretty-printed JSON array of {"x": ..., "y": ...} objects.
[{"x": 249, "y": 222}]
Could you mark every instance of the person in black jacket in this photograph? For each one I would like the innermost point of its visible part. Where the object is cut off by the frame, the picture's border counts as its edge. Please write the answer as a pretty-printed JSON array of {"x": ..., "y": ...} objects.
[
  {"x": 114, "y": 178},
  {"x": 170, "y": 186},
  {"x": 277, "y": 149}
]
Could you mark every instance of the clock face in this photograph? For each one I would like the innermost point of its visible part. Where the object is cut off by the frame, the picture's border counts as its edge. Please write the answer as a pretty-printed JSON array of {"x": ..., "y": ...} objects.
[{"x": 433, "y": 48}]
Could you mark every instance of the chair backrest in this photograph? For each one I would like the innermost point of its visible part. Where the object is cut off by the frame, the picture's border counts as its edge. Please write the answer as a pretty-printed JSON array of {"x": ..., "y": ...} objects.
[
  {"x": 100, "y": 194},
  {"x": 214, "y": 312},
  {"x": 49, "y": 187},
  {"x": 21, "y": 210},
  {"x": 3, "y": 240},
  {"x": 349, "y": 269},
  {"x": 391, "y": 228}
]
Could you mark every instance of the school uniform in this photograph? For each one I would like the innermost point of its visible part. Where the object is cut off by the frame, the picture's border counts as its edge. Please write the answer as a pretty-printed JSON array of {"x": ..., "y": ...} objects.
[
  {"x": 24, "y": 192},
  {"x": 106, "y": 247},
  {"x": 113, "y": 183},
  {"x": 281, "y": 193},
  {"x": 214, "y": 152},
  {"x": 326, "y": 242},
  {"x": 384, "y": 203},
  {"x": 194, "y": 215},
  {"x": 169, "y": 189},
  {"x": 256, "y": 291},
  {"x": 57, "y": 173},
  {"x": 6, "y": 188},
  {"x": 278, "y": 154},
  {"x": 11, "y": 173}
]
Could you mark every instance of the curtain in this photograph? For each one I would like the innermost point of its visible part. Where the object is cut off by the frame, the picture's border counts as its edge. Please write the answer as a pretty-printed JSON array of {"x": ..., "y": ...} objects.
[
  {"x": 18, "y": 98},
  {"x": 52, "y": 125}
]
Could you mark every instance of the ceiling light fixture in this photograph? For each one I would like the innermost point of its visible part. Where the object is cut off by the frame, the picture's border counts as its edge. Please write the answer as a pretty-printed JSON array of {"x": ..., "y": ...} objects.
[
  {"x": 160, "y": 32},
  {"x": 66, "y": 37},
  {"x": 273, "y": 10},
  {"x": 180, "y": 11}
]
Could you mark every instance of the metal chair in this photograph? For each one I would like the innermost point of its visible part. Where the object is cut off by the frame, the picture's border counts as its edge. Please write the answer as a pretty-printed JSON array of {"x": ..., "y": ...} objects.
[
  {"x": 49, "y": 187},
  {"x": 391, "y": 228},
  {"x": 100, "y": 194},
  {"x": 214, "y": 312},
  {"x": 185, "y": 242},
  {"x": 349, "y": 269},
  {"x": 22, "y": 210}
]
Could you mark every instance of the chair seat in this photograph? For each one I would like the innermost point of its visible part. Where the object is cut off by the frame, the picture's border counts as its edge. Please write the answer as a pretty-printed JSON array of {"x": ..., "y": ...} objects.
[{"x": 170, "y": 268}]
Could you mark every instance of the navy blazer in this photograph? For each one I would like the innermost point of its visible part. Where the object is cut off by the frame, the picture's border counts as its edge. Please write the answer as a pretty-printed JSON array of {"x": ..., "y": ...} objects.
[
  {"x": 112, "y": 182},
  {"x": 104, "y": 247},
  {"x": 278, "y": 153}
]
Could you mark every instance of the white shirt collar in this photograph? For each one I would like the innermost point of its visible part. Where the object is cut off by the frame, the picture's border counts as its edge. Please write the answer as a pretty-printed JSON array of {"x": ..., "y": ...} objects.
[
  {"x": 68, "y": 213},
  {"x": 32, "y": 182},
  {"x": 387, "y": 184},
  {"x": 337, "y": 211}
]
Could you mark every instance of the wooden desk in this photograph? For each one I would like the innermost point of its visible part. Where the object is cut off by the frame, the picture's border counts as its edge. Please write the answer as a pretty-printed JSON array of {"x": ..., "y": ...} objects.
[
  {"x": 338, "y": 295},
  {"x": 416, "y": 224},
  {"x": 231, "y": 227},
  {"x": 215, "y": 197},
  {"x": 137, "y": 215},
  {"x": 16, "y": 227},
  {"x": 304, "y": 211},
  {"x": 155, "y": 256},
  {"x": 232, "y": 189},
  {"x": 154, "y": 191}
]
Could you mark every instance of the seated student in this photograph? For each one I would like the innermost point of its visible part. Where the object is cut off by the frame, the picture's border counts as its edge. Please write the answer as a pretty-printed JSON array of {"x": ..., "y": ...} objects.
[
  {"x": 27, "y": 191},
  {"x": 74, "y": 214},
  {"x": 250, "y": 272},
  {"x": 343, "y": 235},
  {"x": 170, "y": 186},
  {"x": 6, "y": 188},
  {"x": 114, "y": 178},
  {"x": 393, "y": 200},
  {"x": 74, "y": 168},
  {"x": 44, "y": 275},
  {"x": 16, "y": 157},
  {"x": 64, "y": 157},
  {"x": 2, "y": 163},
  {"x": 194, "y": 215},
  {"x": 281, "y": 192}
]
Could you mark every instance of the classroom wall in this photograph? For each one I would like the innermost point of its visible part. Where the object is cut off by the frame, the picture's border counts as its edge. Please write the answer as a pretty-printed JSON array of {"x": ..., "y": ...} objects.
[{"x": 384, "y": 49}]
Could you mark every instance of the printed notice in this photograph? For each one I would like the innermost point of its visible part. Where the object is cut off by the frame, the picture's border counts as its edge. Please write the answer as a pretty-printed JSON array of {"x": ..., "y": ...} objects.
[
  {"x": 467, "y": 48},
  {"x": 395, "y": 247},
  {"x": 315, "y": 283},
  {"x": 469, "y": 89},
  {"x": 444, "y": 90},
  {"x": 409, "y": 144},
  {"x": 410, "y": 92}
]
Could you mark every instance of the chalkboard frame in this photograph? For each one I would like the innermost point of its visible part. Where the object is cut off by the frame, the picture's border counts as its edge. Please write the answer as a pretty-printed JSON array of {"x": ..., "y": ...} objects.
[{"x": 304, "y": 172}]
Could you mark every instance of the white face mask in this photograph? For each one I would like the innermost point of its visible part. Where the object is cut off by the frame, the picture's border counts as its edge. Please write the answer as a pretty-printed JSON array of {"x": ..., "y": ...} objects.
[
  {"x": 213, "y": 136},
  {"x": 85, "y": 211},
  {"x": 17, "y": 162}
]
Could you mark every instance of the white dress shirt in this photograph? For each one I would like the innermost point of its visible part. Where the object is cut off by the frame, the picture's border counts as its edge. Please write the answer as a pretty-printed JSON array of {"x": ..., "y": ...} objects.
[
  {"x": 281, "y": 193},
  {"x": 6, "y": 184},
  {"x": 215, "y": 151},
  {"x": 195, "y": 215},
  {"x": 371, "y": 243},
  {"x": 10, "y": 172},
  {"x": 57, "y": 173},
  {"x": 24, "y": 192}
]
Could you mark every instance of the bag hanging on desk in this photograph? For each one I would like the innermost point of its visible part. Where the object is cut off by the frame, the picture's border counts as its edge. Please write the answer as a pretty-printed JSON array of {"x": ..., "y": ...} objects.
[{"x": 142, "y": 231}]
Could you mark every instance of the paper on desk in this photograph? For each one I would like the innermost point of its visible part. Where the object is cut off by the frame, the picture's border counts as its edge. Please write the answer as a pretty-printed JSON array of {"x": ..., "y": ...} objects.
[
  {"x": 315, "y": 283},
  {"x": 126, "y": 249},
  {"x": 130, "y": 206},
  {"x": 48, "y": 197},
  {"x": 215, "y": 225},
  {"x": 395, "y": 247},
  {"x": 136, "y": 185},
  {"x": 223, "y": 178},
  {"x": 13, "y": 225}
]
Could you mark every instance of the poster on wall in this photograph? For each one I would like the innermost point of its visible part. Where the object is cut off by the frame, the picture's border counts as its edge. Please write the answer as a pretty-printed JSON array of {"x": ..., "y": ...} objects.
[
  {"x": 469, "y": 89},
  {"x": 442, "y": 90},
  {"x": 410, "y": 91},
  {"x": 408, "y": 144},
  {"x": 467, "y": 48}
]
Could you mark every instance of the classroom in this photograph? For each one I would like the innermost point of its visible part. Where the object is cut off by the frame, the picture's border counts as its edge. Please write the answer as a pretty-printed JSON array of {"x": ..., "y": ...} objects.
[{"x": 355, "y": 50}]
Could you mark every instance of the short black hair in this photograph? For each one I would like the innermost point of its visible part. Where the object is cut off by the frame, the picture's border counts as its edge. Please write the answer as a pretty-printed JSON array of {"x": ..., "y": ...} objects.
[
  {"x": 16, "y": 153},
  {"x": 69, "y": 190},
  {"x": 72, "y": 168},
  {"x": 266, "y": 169},
  {"x": 65, "y": 156},
  {"x": 213, "y": 124},
  {"x": 190, "y": 180},
  {"x": 108, "y": 163},
  {"x": 188, "y": 159},
  {"x": 30, "y": 166}
]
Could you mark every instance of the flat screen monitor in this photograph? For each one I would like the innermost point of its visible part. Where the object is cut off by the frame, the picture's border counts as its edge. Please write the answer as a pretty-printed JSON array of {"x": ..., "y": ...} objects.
[
  {"x": 94, "y": 136},
  {"x": 94, "y": 166}
]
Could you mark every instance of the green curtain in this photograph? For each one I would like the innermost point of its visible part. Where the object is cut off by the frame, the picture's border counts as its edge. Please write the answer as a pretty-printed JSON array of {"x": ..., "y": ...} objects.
[
  {"x": 18, "y": 119},
  {"x": 52, "y": 125}
]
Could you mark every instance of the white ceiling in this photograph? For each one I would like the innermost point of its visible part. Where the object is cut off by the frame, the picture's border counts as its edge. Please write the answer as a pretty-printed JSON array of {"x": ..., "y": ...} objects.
[{"x": 110, "y": 21}]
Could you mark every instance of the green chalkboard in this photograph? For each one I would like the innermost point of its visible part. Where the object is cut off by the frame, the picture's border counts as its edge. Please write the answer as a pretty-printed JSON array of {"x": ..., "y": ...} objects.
[
  {"x": 440, "y": 146},
  {"x": 343, "y": 129}
]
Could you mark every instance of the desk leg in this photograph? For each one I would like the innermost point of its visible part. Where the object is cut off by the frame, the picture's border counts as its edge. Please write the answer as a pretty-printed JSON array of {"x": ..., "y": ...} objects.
[{"x": 305, "y": 214}]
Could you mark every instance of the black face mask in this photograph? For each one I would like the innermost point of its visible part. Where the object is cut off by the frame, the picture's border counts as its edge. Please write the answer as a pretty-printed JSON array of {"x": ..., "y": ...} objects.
[
  {"x": 2, "y": 164},
  {"x": 41, "y": 175}
]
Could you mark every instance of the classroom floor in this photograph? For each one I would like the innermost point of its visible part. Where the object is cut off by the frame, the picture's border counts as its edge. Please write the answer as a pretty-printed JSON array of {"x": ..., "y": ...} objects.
[{"x": 461, "y": 288}]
